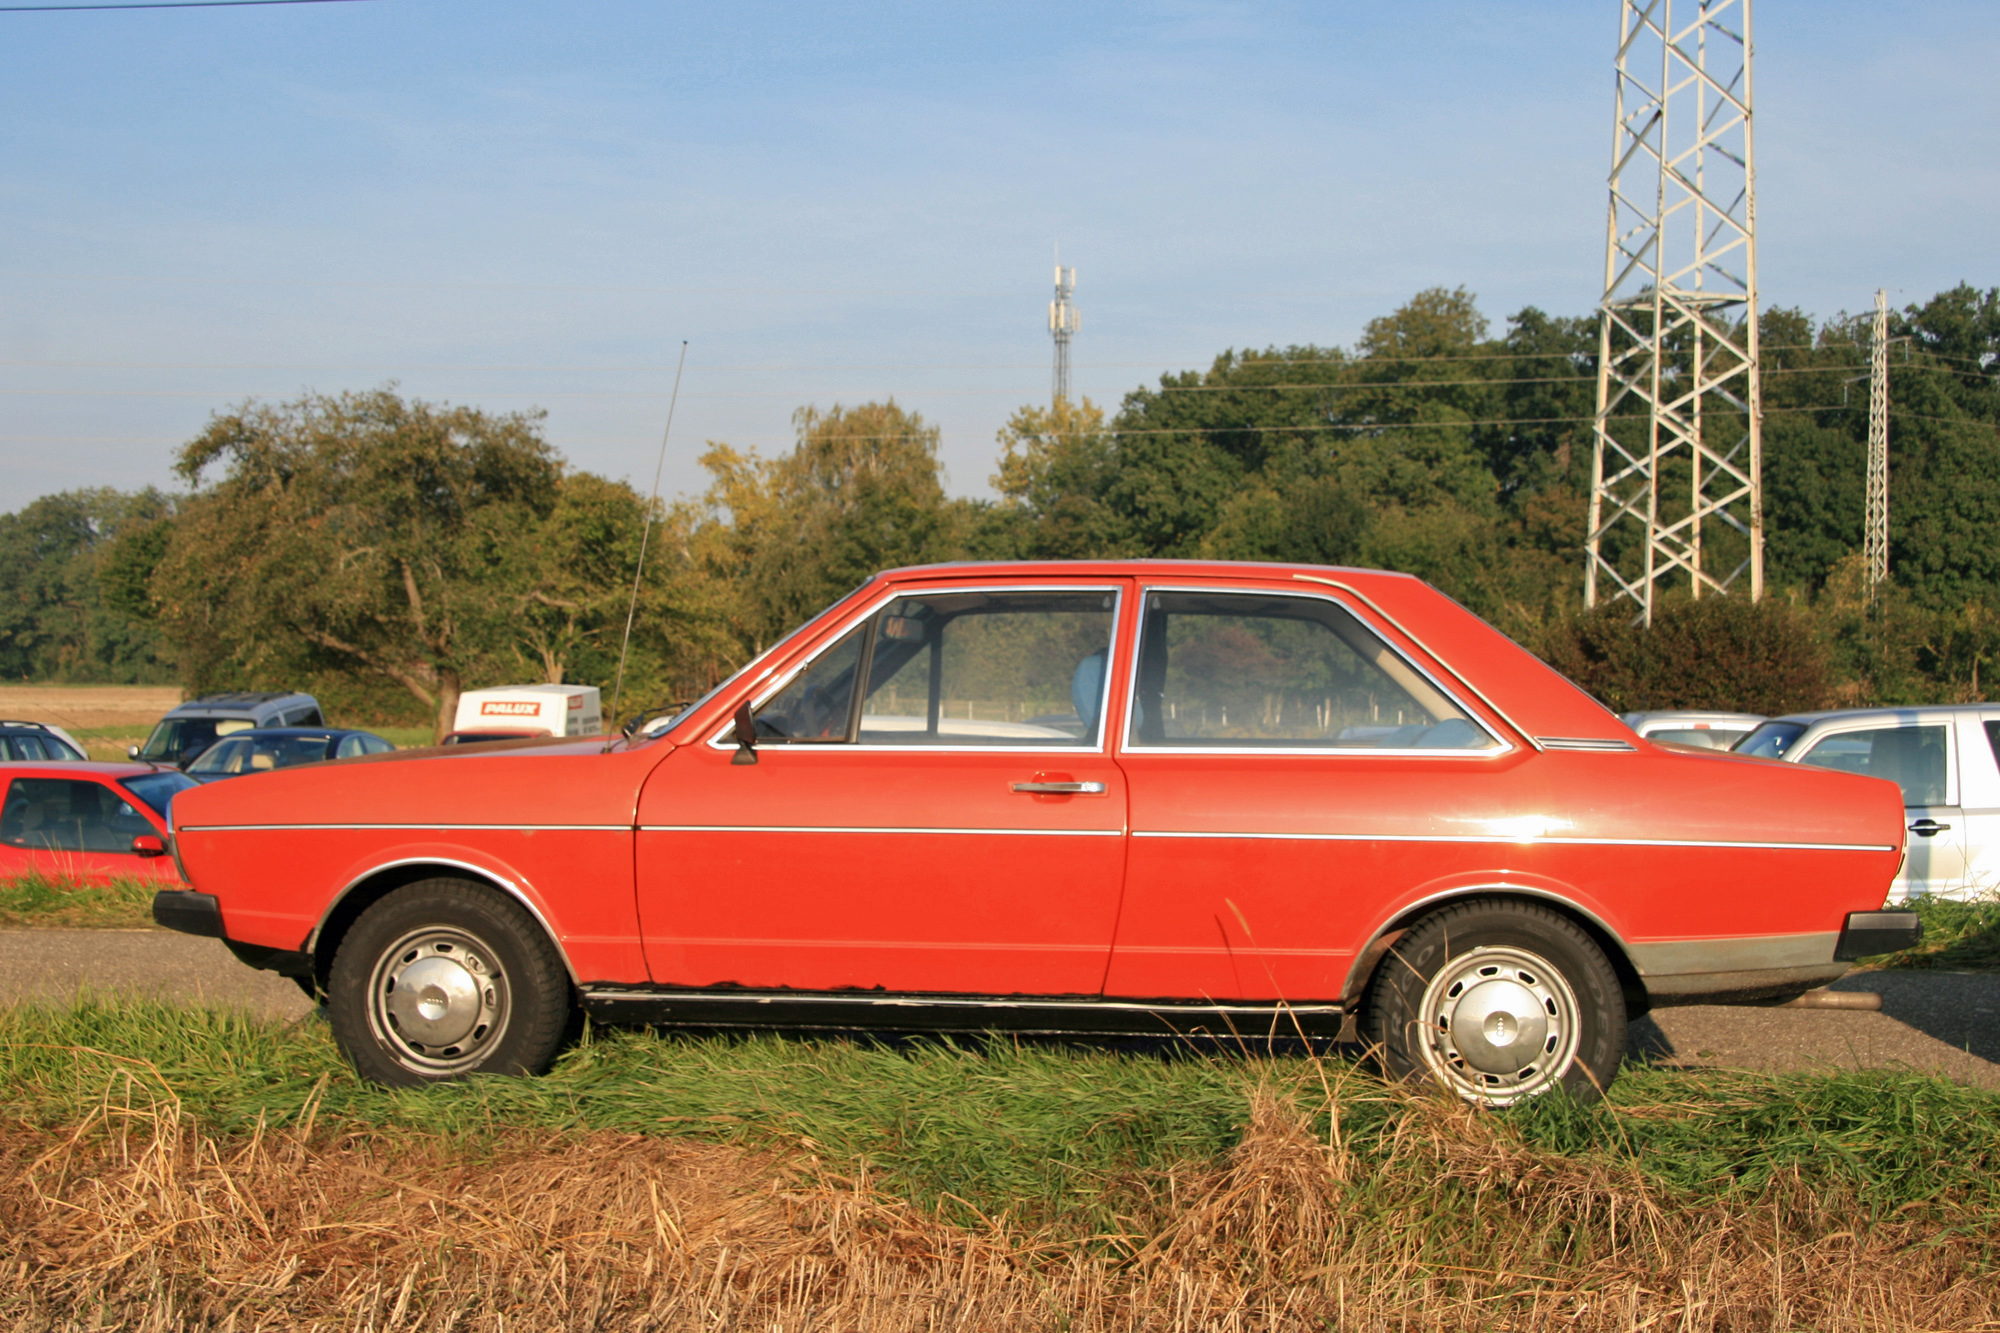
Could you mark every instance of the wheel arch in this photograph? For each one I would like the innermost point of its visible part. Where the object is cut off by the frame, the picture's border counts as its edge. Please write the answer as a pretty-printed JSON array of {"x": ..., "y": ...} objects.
[
  {"x": 378, "y": 882},
  {"x": 1601, "y": 934}
]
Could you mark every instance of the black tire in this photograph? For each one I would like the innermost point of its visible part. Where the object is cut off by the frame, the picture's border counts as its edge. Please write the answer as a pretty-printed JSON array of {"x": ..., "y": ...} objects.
[
  {"x": 1498, "y": 1000},
  {"x": 443, "y": 979}
]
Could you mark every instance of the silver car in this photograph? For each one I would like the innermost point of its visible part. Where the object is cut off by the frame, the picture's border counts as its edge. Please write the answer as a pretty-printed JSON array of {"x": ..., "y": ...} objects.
[
  {"x": 1710, "y": 731},
  {"x": 1944, "y": 760}
]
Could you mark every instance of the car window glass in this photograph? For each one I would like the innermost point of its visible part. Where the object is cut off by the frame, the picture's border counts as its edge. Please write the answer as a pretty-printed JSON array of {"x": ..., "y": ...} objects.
[
  {"x": 815, "y": 705},
  {"x": 375, "y": 745},
  {"x": 1771, "y": 740},
  {"x": 1232, "y": 670},
  {"x": 1708, "y": 738},
  {"x": 23, "y": 747},
  {"x": 1914, "y": 758},
  {"x": 67, "y": 815},
  {"x": 349, "y": 747},
  {"x": 1993, "y": 736},
  {"x": 989, "y": 668},
  {"x": 158, "y": 789}
]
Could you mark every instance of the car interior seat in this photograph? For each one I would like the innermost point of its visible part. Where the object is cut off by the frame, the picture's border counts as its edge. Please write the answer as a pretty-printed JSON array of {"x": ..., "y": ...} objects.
[{"x": 1086, "y": 692}]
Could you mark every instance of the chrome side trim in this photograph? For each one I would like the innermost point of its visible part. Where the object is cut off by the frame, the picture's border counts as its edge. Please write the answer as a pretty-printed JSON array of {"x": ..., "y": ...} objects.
[
  {"x": 1586, "y": 743},
  {"x": 440, "y": 828},
  {"x": 853, "y": 828},
  {"x": 1521, "y": 841},
  {"x": 507, "y": 886},
  {"x": 1477, "y": 693}
]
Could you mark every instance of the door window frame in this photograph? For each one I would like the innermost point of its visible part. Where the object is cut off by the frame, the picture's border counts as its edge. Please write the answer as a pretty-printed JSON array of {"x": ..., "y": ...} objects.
[
  {"x": 1128, "y": 746},
  {"x": 724, "y": 737}
]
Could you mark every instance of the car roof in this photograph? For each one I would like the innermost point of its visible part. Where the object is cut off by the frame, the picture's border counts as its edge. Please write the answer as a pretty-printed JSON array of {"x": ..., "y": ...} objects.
[
  {"x": 1886, "y": 710},
  {"x": 71, "y": 768},
  {"x": 328, "y": 732},
  {"x": 1689, "y": 715},
  {"x": 1072, "y": 569},
  {"x": 235, "y": 702}
]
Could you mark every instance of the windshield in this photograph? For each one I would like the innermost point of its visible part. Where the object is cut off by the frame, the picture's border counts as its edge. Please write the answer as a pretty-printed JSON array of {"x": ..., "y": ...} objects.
[
  {"x": 159, "y": 789},
  {"x": 256, "y": 752},
  {"x": 178, "y": 738},
  {"x": 1771, "y": 740}
]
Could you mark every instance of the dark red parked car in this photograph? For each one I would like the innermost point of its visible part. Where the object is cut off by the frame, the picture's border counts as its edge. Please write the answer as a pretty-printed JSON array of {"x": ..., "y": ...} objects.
[{"x": 1066, "y": 797}]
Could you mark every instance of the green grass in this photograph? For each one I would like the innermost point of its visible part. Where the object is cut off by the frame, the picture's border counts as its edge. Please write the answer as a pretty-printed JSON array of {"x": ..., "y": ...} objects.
[
  {"x": 404, "y": 738},
  {"x": 1960, "y": 937},
  {"x": 1039, "y": 1131},
  {"x": 36, "y": 899}
]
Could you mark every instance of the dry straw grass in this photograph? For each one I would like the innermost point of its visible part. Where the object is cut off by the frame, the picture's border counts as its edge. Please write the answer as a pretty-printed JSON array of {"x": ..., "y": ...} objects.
[{"x": 137, "y": 1219}]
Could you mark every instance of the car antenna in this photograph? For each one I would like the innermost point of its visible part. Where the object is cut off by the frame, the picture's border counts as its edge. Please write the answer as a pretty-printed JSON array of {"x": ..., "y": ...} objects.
[{"x": 646, "y": 531}]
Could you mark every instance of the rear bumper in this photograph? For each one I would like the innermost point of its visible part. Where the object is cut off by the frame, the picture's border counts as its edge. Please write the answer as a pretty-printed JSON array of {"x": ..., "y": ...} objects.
[{"x": 1870, "y": 933}]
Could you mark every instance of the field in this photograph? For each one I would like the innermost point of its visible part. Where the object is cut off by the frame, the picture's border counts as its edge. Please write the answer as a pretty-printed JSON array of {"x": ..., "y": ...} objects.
[{"x": 168, "y": 1168}]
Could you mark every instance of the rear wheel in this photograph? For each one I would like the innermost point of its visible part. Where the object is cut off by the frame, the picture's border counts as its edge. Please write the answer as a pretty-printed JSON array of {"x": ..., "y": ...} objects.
[
  {"x": 1498, "y": 1001},
  {"x": 442, "y": 979}
]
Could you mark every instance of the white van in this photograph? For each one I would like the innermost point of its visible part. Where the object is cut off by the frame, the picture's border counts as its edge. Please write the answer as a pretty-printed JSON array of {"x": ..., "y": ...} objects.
[{"x": 526, "y": 710}]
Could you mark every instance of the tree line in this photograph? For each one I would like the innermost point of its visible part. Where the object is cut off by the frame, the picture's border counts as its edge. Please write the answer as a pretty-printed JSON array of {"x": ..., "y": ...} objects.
[{"x": 390, "y": 553}]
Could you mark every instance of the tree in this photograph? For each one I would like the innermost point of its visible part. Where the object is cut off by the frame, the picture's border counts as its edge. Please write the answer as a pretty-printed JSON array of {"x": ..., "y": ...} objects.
[
  {"x": 59, "y": 619},
  {"x": 860, "y": 492},
  {"x": 359, "y": 532}
]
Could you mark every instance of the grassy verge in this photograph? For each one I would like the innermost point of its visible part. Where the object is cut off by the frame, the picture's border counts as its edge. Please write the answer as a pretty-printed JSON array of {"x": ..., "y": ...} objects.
[
  {"x": 672, "y": 1181},
  {"x": 56, "y": 901},
  {"x": 1961, "y": 937}
]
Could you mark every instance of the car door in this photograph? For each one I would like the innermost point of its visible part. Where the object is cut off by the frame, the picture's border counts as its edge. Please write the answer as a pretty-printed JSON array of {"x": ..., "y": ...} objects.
[
  {"x": 74, "y": 827},
  {"x": 1290, "y": 773},
  {"x": 932, "y": 808},
  {"x": 1919, "y": 753},
  {"x": 1979, "y": 799}
]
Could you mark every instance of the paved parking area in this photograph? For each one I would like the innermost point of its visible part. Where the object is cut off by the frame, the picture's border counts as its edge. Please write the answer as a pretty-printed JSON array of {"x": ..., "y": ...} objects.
[{"x": 1946, "y": 1022}]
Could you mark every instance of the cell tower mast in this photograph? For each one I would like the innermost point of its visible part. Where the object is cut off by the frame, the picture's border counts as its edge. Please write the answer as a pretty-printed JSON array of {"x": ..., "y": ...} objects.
[
  {"x": 1875, "y": 539},
  {"x": 1678, "y": 451},
  {"x": 1063, "y": 324}
]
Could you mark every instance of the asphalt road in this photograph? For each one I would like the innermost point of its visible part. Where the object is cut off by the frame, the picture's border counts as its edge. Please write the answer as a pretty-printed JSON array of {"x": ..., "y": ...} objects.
[{"x": 1944, "y": 1022}]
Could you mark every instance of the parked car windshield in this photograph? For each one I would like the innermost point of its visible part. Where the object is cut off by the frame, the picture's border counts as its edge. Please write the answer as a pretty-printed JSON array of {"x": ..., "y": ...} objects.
[
  {"x": 254, "y": 753},
  {"x": 177, "y": 737},
  {"x": 158, "y": 789},
  {"x": 1771, "y": 740}
]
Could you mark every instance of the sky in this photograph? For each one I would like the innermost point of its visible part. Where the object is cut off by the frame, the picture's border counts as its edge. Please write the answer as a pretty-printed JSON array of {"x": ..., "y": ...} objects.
[{"x": 522, "y": 205}]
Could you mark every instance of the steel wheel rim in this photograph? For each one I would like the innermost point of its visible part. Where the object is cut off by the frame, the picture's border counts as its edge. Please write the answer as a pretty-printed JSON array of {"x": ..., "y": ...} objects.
[
  {"x": 437, "y": 999},
  {"x": 1499, "y": 1024}
]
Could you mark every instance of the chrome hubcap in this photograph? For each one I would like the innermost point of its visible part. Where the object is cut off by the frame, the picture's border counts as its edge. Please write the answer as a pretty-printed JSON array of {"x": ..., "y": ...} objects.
[
  {"x": 438, "y": 1000},
  {"x": 1501, "y": 1024}
]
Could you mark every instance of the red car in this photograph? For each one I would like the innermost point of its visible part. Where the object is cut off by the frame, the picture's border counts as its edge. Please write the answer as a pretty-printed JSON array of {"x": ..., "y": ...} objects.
[
  {"x": 87, "y": 821},
  {"x": 1137, "y": 796}
]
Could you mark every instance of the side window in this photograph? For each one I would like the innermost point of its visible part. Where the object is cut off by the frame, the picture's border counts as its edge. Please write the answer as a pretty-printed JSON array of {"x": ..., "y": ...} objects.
[
  {"x": 989, "y": 668},
  {"x": 62, "y": 814},
  {"x": 958, "y": 669},
  {"x": 304, "y": 717},
  {"x": 816, "y": 706},
  {"x": 1255, "y": 671},
  {"x": 1915, "y": 758},
  {"x": 349, "y": 747}
]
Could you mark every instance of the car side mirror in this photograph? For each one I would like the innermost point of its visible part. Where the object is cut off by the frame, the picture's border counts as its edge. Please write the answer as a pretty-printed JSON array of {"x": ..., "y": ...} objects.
[
  {"x": 131, "y": 752},
  {"x": 746, "y": 736},
  {"x": 147, "y": 844}
]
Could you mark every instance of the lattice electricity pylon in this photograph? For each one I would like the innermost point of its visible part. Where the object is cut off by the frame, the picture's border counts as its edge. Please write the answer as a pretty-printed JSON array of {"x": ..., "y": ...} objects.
[
  {"x": 1678, "y": 450},
  {"x": 1063, "y": 324},
  {"x": 1875, "y": 537}
]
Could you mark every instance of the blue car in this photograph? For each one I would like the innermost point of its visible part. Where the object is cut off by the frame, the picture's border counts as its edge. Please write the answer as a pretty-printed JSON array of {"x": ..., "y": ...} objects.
[{"x": 267, "y": 748}]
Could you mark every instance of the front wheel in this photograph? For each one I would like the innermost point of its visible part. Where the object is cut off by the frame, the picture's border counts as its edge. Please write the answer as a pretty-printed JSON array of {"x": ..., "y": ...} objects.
[
  {"x": 442, "y": 979},
  {"x": 1498, "y": 1001}
]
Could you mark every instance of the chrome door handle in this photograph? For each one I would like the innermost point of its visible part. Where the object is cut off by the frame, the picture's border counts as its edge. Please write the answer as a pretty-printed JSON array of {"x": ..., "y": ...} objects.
[
  {"x": 1061, "y": 788},
  {"x": 1928, "y": 828}
]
